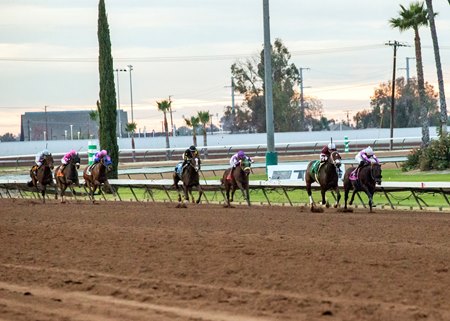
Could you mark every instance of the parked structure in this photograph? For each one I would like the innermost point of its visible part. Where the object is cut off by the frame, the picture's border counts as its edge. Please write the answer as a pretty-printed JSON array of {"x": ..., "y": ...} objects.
[{"x": 63, "y": 125}]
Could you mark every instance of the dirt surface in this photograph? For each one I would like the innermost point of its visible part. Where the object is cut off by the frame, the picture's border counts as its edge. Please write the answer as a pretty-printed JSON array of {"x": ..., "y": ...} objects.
[{"x": 130, "y": 261}]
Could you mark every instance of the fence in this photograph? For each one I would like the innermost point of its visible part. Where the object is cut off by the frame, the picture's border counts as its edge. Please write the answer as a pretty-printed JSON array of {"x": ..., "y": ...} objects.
[
  {"x": 217, "y": 152},
  {"x": 390, "y": 194}
]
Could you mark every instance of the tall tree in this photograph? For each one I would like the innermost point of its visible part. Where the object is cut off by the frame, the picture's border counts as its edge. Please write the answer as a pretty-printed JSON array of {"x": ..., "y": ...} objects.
[
  {"x": 164, "y": 107},
  {"x": 107, "y": 106},
  {"x": 249, "y": 81},
  {"x": 193, "y": 122},
  {"x": 437, "y": 58},
  {"x": 407, "y": 102},
  {"x": 414, "y": 17}
]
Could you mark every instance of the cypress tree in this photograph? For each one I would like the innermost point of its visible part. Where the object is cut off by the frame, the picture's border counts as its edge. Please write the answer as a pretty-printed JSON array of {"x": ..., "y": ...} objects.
[{"x": 107, "y": 107}]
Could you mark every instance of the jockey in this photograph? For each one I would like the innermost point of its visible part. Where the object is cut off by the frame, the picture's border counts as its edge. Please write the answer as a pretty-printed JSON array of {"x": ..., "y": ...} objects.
[
  {"x": 236, "y": 159},
  {"x": 39, "y": 159},
  {"x": 97, "y": 158},
  {"x": 189, "y": 153},
  {"x": 366, "y": 157},
  {"x": 326, "y": 152},
  {"x": 67, "y": 158}
]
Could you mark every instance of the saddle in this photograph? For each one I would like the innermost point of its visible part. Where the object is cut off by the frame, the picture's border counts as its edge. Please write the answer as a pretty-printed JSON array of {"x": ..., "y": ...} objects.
[
  {"x": 315, "y": 168},
  {"x": 354, "y": 175}
]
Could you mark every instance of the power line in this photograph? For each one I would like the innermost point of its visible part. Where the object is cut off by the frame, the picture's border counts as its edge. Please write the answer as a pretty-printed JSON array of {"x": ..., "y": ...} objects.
[{"x": 195, "y": 57}]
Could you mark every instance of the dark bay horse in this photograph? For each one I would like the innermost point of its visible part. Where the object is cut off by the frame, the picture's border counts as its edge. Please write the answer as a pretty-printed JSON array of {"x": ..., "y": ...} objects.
[
  {"x": 368, "y": 177},
  {"x": 327, "y": 177},
  {"x": 190, "y": 178},
  {"x": 68, "y": 176},
  {"x": 43, "y": 176},
  {"x": 97, "y": 176},
  {"x": 239, "y": 179}
]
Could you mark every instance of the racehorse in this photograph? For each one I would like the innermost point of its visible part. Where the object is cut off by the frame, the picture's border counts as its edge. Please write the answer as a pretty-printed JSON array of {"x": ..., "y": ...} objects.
[
  {"x": 368, "y": 177},
  {"x": 239, "y": 179},
  {"x": 68, "y": 176},
  {"x": 190, "y": 178},
  {"x": 327, "y": 177},
  {"x": 43, "y": 176},
  {"x": 97, "y": 175}
]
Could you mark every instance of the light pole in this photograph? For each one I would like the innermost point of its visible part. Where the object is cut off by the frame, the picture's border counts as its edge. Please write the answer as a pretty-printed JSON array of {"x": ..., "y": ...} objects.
[
  {"x": 118, "y": 100},
  {"x": 271, "y": 154},
  {"x": 130, "y": 67},
  {"x": 46, "y": 122}
]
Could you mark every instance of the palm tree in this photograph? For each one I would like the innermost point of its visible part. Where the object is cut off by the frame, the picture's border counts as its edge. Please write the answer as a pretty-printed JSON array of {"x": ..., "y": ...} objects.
[
  {"x": 412, "y": 18},
  {"x": 193, "y": 122},
  {"x": 204, "y": 117},
  {"x": 130, "y": 128},
  {"x": 437, "y": 59},
  {"x": 164, "y": 106}
]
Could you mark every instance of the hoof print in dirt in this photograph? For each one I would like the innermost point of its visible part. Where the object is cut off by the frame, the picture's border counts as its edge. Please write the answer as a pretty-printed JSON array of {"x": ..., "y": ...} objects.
[{"x": 345, "y": 210}]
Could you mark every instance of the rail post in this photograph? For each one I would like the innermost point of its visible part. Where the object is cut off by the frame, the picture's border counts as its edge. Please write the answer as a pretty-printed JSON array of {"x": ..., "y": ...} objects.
[
  {"x": 91, "y": 152},
  {"x": 346, "y": 147}
]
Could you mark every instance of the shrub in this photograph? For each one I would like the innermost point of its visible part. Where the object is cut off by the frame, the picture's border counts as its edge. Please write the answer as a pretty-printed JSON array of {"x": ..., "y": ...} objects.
[{"x": 434, "y": 156}]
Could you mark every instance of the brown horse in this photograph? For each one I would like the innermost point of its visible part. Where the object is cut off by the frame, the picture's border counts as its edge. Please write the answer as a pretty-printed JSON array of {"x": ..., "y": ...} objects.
[
  {"x": 190, "y": 179},
  {"x": 327, "y": 177},
  {"x": 43, "y": 176},
  {"x": 97, "y": 176},
  {"x": 239, "y": 179},
  {"x": 368, "y": 177},
  {"x": 68, "y": 176}
]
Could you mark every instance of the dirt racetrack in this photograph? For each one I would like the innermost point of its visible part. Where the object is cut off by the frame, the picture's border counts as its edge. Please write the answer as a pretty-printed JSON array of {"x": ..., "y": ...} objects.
[{"x": 131, "y": 261}]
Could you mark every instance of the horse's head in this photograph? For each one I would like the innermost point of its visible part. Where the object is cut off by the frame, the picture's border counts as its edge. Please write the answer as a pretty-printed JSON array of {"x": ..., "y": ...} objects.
[
  {"x": 335, "y": 159},
  {"x": 107, "y": 162},
  {"x": 375, "y": 171},
  {"x": 245, "y": 165},
  {"x": 48, "y": 161},
  {"x": 76, "y": 160}
]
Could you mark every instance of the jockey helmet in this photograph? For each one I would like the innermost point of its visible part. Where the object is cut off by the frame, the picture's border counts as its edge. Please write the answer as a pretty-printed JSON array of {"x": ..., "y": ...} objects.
[
  {"x": 73, "y": 152},
  {"x": 192, "y": 148},
  {"x": 369, "y": 151},
  {"x": 241, "y": 154},
  {"x": 45, "y": 152},
  {"x": 331, "y": 146}
]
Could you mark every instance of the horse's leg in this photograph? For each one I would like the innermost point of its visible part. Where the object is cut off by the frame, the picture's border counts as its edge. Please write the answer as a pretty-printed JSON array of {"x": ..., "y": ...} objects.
[
  {"x": 192, "y": 199},
  {"x": 322, "y": 192},
  {"x": 200, "y": 193},
  {"x": 227, "y": 193},
  {"x": 44, "y": 187},
  {"x": 308, "y": 189},
  {"x": 186, "y": 196},
  {"x": 248, "y": 195},
  {"x": 338, "y": 196},
  {"x": 353, "y": 197}
]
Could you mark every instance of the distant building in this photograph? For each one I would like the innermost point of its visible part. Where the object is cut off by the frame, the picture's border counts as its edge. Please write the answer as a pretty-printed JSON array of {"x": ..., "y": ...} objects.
[{"x": 61, "y": 125}]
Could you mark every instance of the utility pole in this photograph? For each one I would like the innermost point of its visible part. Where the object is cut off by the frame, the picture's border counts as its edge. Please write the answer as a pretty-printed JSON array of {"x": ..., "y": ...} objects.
[
  {"x": 302, "y": 99},
  {"x": 394, "y": 44},
  {"x": 130, "y": 68},
  {"x": 271, "y": 154},
  {"x": 233, "y": 112}
]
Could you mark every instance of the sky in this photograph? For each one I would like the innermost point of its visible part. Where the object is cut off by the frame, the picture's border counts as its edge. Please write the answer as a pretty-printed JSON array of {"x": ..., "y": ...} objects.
[{"x": 183, "y": 49}]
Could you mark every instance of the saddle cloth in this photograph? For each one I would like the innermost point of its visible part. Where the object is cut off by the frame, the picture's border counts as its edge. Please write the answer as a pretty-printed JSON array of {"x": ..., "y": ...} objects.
[{"x": 179, "y": 169}]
